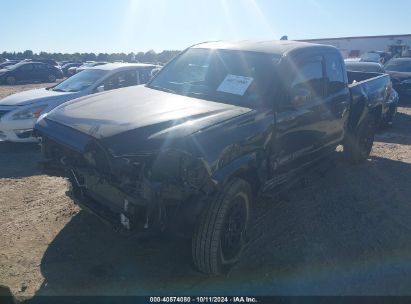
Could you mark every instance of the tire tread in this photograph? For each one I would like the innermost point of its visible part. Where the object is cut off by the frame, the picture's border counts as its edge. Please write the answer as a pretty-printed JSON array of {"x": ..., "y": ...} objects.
[{"x": 205, "y": 243}]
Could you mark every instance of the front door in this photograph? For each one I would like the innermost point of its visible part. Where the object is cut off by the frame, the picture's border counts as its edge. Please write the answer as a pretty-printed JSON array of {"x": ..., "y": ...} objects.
[
  {"x": 25, "y": 72},
  {"x": 337, "y": 100},
  {"x": 299, "y": 131}
]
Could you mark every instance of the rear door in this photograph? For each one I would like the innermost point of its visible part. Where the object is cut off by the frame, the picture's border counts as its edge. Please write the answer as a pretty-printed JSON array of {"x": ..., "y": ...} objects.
[{"x": 41, "y": 71}]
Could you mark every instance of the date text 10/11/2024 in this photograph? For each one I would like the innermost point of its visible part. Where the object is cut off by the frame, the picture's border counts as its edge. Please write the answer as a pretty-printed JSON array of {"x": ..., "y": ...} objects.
[{"x": 237, "y": 299}]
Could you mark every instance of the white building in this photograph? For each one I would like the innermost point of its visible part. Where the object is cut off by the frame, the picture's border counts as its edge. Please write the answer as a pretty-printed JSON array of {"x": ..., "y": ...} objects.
[{"x": 355, "y": 46}]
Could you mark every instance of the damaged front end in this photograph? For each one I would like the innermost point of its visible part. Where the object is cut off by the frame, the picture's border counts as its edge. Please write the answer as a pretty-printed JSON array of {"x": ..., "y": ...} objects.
[{"x": 142, "y": 192}]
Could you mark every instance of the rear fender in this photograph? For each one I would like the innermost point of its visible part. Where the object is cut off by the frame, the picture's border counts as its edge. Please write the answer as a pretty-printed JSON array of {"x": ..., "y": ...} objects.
[{"x": 361, "y": 107}]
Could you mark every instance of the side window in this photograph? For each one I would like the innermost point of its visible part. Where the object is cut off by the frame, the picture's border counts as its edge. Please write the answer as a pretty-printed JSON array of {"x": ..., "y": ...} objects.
[
  {"x": 26, "y": 67},
  {"x": 121, "y": 80},
  {"x": 335, "y": 74},
  {"x": 309, "y": 79},
  {"x": 40, "y": 67}
]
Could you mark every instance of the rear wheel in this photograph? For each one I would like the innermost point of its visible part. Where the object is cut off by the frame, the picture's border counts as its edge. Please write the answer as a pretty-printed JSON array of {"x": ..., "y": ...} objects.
[
  {"x": 357, "y": 147},
  {"x": 220, "y": 236},
  {"x": 11, "y": 80}
]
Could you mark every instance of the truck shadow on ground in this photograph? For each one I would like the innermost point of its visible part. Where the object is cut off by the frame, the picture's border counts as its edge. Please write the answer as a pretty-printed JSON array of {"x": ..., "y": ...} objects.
[
  {"x": 19, "y": 159},
  {"x": 346, "y": 231}
]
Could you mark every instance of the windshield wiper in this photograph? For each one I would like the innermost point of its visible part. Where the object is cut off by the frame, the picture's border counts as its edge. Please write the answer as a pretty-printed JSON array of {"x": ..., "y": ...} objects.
[{"x": 59, "y": 90}]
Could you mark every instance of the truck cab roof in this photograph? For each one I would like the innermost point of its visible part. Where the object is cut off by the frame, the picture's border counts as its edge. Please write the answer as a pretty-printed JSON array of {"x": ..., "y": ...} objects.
[{"x": 275, "y": 47}]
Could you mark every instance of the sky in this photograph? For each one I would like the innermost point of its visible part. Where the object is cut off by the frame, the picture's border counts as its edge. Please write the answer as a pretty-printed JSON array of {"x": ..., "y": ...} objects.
[{"x": 140, "y": 25}]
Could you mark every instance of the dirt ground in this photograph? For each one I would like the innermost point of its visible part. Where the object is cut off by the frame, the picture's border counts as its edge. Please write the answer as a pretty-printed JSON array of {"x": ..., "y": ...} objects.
[{"x": 347, "y": 231}]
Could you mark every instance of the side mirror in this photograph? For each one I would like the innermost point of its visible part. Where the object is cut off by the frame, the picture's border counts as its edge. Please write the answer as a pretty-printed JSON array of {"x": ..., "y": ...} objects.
[
  {"x": 100, "y": 89},
  {"x": 300, "y": 96}
]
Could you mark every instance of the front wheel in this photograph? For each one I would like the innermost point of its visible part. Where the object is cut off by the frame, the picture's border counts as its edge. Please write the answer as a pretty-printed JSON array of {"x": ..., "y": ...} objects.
[
  {"x": 357, "y": 147},
  {"x": 220, "y": 237}
]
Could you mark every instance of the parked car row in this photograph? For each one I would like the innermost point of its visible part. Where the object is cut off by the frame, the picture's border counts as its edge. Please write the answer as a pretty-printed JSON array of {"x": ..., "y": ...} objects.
[
  {"x": 376, "y": 56},
  {"x": 13, "y": 72},
  {"x": 75, "y": 69},
  {"x": 28, "y": 71},
  {"x": 19, "y": 112},
  {"x": 400, "y": 72},
  {"x": 65, "y": 68},
  {"x": 219, "y": 125},
  {"x": 399, "y": 69}
]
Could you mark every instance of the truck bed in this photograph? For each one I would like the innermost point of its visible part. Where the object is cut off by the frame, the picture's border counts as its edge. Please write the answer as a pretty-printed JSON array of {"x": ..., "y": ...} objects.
[
  {"x": 354, "y": 78},
  {"x": 368, "y": 91}
]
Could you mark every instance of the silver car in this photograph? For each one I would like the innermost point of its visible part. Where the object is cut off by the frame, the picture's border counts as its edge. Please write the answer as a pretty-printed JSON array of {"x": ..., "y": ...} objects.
[{"x": 19, "y": 112}]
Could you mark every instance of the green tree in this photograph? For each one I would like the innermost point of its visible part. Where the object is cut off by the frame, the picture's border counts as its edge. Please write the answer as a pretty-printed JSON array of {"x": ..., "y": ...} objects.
[{"x": 28, "y": 54}]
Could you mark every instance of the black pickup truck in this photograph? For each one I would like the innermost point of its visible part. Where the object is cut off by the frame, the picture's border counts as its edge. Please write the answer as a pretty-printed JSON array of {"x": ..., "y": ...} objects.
[{"x": 219, "y": 125}]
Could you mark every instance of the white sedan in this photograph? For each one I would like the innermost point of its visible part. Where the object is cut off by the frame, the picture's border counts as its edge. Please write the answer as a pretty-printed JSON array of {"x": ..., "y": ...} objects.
[{"x": 19, "y": 112}]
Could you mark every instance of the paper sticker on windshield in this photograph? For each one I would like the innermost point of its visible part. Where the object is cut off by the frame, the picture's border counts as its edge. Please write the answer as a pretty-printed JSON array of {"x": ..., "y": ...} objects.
[{"x": 234, "y": 84}]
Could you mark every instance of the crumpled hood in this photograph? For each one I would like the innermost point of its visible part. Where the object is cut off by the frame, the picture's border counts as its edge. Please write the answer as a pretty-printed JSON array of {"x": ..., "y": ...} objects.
[
  {"x": 141, "y": 115},
  {"x": 32, "y": 96}
]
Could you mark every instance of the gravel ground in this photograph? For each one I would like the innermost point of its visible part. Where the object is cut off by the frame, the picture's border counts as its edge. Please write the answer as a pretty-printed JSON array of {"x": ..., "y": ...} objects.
[
  {"x": 345, "y": 231},
  {"x": 6, "y": 90}
]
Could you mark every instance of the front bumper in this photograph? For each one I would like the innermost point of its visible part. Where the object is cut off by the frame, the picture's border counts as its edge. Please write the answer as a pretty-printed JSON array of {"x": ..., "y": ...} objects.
[
  {"x": 120, "y": 220},
  {"x": 140, "y": 212},
  {"x": 122, "y": 193}
]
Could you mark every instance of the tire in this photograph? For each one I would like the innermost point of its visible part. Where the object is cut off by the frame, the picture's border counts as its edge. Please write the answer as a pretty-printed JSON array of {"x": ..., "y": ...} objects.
[
  {"x": 10, "y": 80},
  {"x": 51, "y": 78},
  {"x": 357, "y": 147},
  {"x": 220, "y": 237}
]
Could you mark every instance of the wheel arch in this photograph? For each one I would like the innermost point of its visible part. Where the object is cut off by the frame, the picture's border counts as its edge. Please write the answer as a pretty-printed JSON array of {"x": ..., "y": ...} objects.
[{"x": 244, "y": 167}]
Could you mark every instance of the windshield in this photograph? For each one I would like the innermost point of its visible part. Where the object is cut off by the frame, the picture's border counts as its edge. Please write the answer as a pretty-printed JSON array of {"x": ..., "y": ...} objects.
[
  {"x": 234, "y": 77},
  {"x": 80, "y": 81},
  {"x": 15, "y": 66},
  {"x": 370, "y": 57},
  {"x": 398, "y": 65},
  {"x": 6, "y": 66}
]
